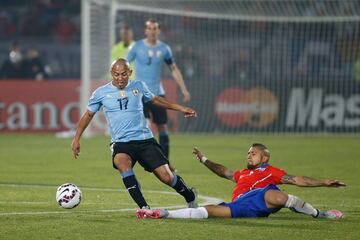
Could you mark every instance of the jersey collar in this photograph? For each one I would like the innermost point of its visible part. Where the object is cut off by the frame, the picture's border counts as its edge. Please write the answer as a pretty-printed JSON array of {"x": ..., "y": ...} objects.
[
  {"x": 149, "y": 45},
  {"x": 113, "y": 86},
  {"x": 264, "y": 165}
]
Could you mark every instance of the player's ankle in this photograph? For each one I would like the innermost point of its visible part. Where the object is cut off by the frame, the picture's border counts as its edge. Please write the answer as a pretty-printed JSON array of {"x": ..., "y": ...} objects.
[{"x": 317, "y": 213}]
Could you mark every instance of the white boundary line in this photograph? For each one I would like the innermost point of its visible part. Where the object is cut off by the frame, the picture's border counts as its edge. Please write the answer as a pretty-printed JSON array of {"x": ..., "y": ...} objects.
[{"x": 207, "y": 200}]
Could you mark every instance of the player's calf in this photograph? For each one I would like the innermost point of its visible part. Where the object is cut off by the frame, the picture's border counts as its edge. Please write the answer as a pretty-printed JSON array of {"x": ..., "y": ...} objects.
[
  {"x": 300, "y": 206},
  {"x": 133, "y": 188}
]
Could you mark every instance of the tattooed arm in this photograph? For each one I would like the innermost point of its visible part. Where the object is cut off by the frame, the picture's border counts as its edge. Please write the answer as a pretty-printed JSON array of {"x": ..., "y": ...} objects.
[
  {"x": 302, "y": 181},
  {"x": 220, "y": 170},
  {"x": 216, "y": 168}
]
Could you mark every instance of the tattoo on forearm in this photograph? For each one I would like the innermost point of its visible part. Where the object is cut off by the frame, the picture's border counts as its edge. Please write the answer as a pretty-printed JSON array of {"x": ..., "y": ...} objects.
[
  {"x": 288, "y": 179},
  {"x": 218, "y": 169},
  {"x": 312, "y": 181}
]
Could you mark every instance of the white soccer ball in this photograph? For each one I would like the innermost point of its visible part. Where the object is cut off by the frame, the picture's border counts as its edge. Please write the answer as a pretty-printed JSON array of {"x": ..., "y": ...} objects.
[{"x": 68, "y": 195}]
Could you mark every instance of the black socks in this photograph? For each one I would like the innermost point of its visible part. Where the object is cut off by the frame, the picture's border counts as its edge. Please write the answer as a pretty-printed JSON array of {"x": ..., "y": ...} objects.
[
  {"x": 180, "y": 187},
  {"x": 133, "y": 187}
]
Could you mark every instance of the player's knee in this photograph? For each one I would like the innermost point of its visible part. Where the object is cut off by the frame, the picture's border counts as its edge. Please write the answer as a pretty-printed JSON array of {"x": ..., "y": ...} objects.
[
  {"x": 123, "y": 168},
  {"x": 122, "y": 165},
  {"x": 275, "y": 198},
  {"x": 281, "y": 198}
]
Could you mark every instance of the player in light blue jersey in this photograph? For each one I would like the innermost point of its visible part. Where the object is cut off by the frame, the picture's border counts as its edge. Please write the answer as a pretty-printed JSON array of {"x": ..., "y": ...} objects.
[
  {"x": 149, "y": 54},
  {"x": 132, "y": 139}
]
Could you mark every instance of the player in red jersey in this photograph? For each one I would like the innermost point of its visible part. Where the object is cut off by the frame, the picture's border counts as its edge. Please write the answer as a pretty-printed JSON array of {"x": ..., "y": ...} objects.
[{"x": 255, "y": 193}]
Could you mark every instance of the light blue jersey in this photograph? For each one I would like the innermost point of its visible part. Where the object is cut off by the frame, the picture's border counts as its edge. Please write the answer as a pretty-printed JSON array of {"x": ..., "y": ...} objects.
[
  {"x": 123, "y": 110},
  {"x": 148, "y": 61}
]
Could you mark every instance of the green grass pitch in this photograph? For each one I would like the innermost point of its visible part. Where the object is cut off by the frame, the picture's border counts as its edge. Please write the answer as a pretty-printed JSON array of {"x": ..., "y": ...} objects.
[{"x": 33, "y": 166}]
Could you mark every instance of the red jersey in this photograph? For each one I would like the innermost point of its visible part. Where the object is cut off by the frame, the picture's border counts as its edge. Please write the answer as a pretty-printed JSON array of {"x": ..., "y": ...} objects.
[{"x": 249, "y": 179}]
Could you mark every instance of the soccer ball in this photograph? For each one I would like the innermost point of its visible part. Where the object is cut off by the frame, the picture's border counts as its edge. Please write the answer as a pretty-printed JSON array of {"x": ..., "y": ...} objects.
[{"x": 68, "y": 195}]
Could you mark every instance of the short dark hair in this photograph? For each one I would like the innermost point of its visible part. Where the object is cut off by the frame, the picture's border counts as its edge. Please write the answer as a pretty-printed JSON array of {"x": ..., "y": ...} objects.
[
  {"x": 152, "y": 20},
  {"x": 263, "y": 148}
]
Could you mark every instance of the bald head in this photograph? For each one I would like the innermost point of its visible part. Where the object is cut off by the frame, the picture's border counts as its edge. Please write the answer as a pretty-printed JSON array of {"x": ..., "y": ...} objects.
[
  {"x": 120, "y": 63},
  {"x": 120, "y": 72}
]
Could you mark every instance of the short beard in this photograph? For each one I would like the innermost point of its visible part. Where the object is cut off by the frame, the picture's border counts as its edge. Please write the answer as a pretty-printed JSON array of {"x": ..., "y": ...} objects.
[{"x": 251, "y": 167}]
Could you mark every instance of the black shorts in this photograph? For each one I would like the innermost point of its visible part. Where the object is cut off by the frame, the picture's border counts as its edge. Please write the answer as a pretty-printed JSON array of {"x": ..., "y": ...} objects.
[
  {"x": 158, "y": 114},
  {"x": 147, "y": 152}
]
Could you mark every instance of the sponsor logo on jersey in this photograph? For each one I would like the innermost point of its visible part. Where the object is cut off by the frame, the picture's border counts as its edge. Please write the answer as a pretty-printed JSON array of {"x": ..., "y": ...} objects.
[{"x": 122, "y": 94}]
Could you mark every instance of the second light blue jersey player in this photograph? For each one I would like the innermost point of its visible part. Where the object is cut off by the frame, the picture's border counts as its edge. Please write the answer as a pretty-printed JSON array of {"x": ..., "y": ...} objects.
[
  {"x": 148, "y": 62},
  {"x": 123, "y": 110},
  {"x": 149, "y": 54}
]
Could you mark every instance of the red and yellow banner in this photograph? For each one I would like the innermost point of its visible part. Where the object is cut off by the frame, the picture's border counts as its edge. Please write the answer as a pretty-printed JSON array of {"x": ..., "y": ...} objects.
[{"x": 49, "y": 106}]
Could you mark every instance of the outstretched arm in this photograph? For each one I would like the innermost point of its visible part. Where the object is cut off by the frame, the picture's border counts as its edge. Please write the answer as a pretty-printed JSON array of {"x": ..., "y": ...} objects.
[
  {"x": 83, "y": 123},
  {"x": 162, "y": 102},
  {"x": 216, "y": 168},
  {"x": 180, "y": 82},
  {"x": 302, "y": 181}
]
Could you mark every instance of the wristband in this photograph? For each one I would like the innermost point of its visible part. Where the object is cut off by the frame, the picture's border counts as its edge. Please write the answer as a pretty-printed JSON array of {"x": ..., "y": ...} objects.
[{"x": 203, "y": 159}]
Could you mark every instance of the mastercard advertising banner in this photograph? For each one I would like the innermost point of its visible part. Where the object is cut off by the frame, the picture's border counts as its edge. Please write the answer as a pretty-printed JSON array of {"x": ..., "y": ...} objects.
[
  {"x": 298, "y": 109},
  {"x": 256, "y": 107}
]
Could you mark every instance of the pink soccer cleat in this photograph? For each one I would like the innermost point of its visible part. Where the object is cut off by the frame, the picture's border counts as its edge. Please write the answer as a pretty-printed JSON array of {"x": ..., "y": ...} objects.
[
  {"x": 331, "y": 214},
  {"x": 148, "y": 213}
]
